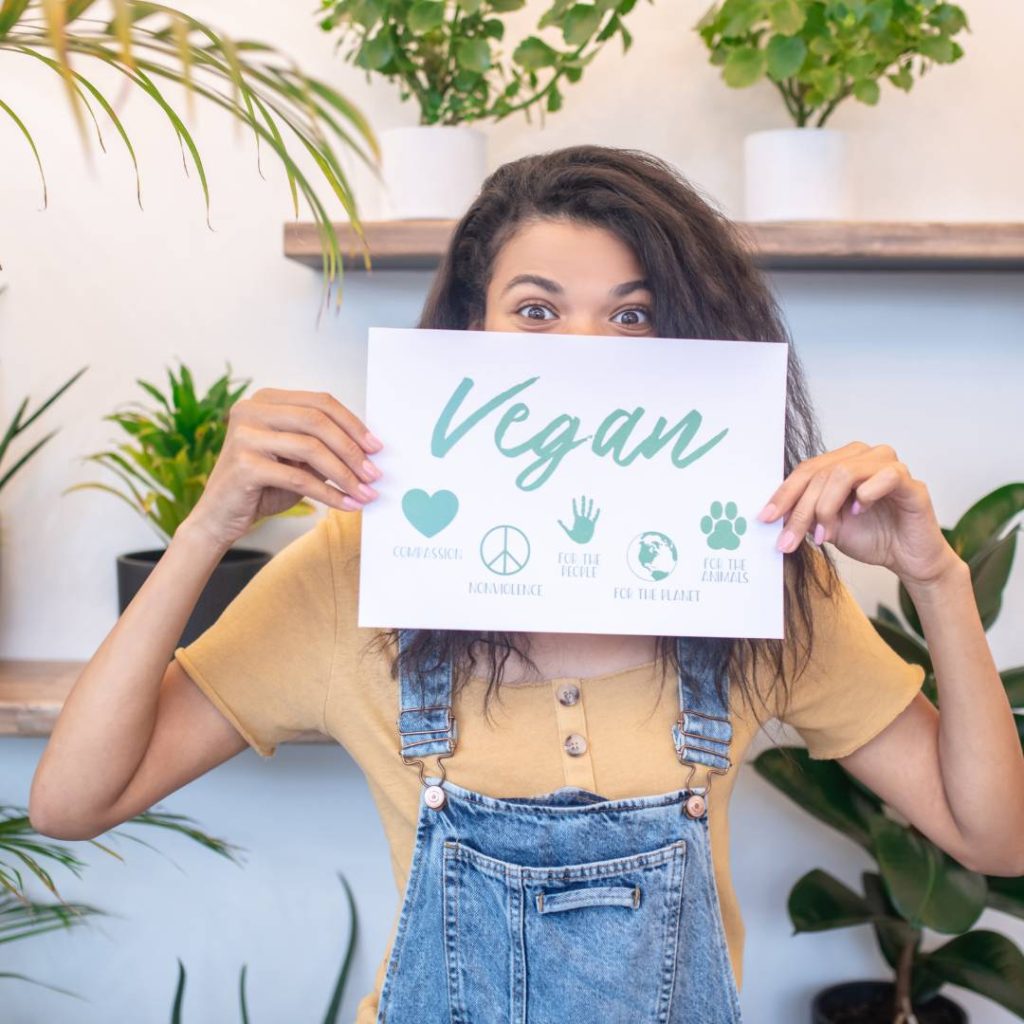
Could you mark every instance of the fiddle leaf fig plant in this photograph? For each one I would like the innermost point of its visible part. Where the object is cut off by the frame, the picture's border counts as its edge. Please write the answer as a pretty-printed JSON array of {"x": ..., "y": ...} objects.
[
  {"x": 819, "y": 53},
  {"x": 917, "y": 887},
  {"x": 172, "y": 450},
  {"x": 453, "y": 58}
]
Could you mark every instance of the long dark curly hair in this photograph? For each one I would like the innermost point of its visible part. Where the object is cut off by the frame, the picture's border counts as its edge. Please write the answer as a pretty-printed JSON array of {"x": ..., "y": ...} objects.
[{"x": 704, "y": 285}]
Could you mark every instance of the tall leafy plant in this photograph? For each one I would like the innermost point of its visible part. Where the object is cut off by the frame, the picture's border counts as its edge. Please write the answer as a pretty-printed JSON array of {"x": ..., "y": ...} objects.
[
  {"x": 819, "y": 53},
  {"x": 23, "y": 850},
  {"x": 450, "y": 55},
  {"x": 171, "y": 450},
  {"x": 20, "y": 423},
  {"x": 917, "y": 887},
  {"x": 290, "y": 114}
]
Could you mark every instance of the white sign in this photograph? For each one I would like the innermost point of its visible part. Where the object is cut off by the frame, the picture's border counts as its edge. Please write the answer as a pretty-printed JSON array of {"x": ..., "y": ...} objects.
[{"x": 566, "y": 483}]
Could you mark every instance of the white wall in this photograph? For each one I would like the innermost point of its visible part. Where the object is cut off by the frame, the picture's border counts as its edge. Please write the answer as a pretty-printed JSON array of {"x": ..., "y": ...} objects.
[{"x": 929, "y": 363}]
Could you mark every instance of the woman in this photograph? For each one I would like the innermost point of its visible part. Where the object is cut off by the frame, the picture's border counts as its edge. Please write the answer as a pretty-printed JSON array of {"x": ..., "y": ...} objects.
[{"x": 542, "y": 838}]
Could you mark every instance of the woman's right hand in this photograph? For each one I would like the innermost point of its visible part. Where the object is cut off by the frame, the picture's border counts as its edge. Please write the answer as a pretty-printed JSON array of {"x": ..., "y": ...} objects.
[{"x": 282, "y": 446}]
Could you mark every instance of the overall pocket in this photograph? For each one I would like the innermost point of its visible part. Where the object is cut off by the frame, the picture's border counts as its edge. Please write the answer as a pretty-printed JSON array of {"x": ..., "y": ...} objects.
[{"x": 562, "y": 944}]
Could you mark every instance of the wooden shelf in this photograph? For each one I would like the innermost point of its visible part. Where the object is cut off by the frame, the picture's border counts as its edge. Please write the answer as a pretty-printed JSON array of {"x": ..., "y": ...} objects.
[
  {"x": 783, "y": 245},
  {"x": 32, "y": 692}
]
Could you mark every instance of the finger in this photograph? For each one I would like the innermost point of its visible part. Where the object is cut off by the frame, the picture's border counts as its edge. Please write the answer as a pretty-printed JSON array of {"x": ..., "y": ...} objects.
[
  {"x": 575, "y": 514},
  {"x": 564, "y": 527},
  {"x": 303, "y": 482},
  {"x": 890, "y": 479},
  {"x": 785, "y": 496},
  {"x": 326, "y": 403},
  {"x": 593, "y": 521},
  {"x": 308, "y": 420},
  {"x": 801, "y": 518},
  {"x": 840, "y": 482},
  {"x": 306, "y": 448}
]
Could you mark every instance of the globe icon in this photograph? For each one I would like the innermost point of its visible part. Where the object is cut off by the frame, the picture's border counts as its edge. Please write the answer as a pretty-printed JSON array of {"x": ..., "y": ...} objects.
[{"x": 651, "y": 556}]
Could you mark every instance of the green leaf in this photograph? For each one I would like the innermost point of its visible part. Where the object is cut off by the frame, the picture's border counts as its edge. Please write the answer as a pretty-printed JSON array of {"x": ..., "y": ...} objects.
[
  {"x": 867, "y": 91},
  {"x": 744, "y": 67},
  {"x": 533, "y": 54},
  {"x": 990, "y": 571},
  {"x": 902, "y": 79},
  {"x": 822, "y": 788},
  {"x": 892, "y": 933},
  {"x": 10, "y": 12},
  {"x": 985, "y": 519},
  {"x": 1013, "y": 683},
  {"x": 1006, "y": 894},
  {"x": 926, "y": 885},
  {"x": 473, "y": 54},
  {"x": 909, "y": 648},
  {"x": 581, "y": 22},
  {"x": 425, "y": 15},
  {"x": 31, "y": 142},
  {"x": 984, "y": 962},
  {"x": 554, "y": 102},
  {"x": 936, "y": 48},
  {"x": 819, "y": 902},
  {"x": 784, "y": 56},
  {"x": 505, "y": 6},
  {"x": 375, "y": 53},
  {"x": 909, "y": 611},
  {"x": 826, "y": 81},
  {"x": 469, "y": 6},
  {"x": 786, "y": 16}
]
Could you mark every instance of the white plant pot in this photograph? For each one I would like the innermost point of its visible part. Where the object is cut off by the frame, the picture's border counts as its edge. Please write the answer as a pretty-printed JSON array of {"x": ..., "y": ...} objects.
[
  {"x": 432, "y": 171},
  {"x": 797, "y": 174}
]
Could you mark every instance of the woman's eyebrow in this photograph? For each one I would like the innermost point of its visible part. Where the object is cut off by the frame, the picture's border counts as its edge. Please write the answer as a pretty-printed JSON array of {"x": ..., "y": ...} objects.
[{"x": 555, "y": 289}]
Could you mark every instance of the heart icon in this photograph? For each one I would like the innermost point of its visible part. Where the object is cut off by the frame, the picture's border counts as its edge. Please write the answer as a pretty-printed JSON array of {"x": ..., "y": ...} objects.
[{"x": 429, "y": 513}]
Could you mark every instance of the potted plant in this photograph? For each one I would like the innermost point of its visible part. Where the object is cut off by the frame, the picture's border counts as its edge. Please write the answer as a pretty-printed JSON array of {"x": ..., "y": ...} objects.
[
  {"x": 449, "y": 56},
  {"x": 147, "y": 45},
  {"x": 917, "y": 886},
  {"x": 164, "y": 467},
  {"x": 817, "y": 55},
  {"x": 21, "y": 422}
]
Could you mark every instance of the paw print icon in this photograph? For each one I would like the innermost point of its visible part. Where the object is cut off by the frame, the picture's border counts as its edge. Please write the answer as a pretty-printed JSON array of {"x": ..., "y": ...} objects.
[{"x": 723, "y": 527}]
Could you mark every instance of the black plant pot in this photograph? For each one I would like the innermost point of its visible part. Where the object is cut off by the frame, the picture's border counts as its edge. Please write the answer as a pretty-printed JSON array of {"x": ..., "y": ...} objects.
[
  {"x": 234, "y": 570},
  {"x": 871, "y": 1002}
]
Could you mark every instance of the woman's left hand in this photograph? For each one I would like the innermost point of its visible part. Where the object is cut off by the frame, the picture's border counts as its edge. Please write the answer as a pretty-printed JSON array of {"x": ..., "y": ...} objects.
[{"x": 863, "y": 500}]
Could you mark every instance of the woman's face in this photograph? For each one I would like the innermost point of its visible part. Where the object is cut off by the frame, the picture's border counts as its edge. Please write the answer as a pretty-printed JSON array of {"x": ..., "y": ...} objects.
[{"x": 566, "y": 278}]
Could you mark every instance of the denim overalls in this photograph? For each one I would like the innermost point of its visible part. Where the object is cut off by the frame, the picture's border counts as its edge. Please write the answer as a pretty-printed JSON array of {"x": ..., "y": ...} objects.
[{"x": 566, "y": 907}]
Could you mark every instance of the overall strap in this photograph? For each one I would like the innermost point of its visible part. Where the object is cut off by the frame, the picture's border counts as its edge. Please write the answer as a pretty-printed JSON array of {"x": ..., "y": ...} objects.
[
  {"x": 425, "y": 721},
  {"x": 703, "y": 730}
]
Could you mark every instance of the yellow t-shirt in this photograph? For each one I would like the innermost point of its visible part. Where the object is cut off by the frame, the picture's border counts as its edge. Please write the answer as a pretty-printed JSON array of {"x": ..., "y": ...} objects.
[{"x": 286, "y": 656}]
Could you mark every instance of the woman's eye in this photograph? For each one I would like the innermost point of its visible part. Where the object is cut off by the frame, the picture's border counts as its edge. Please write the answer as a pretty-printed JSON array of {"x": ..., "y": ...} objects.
[
  {"x": 635, "y": 317},
  {"x": 535, "y": 311}
]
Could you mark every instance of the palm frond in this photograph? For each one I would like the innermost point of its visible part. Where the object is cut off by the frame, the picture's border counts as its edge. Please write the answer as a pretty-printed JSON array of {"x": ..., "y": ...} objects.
[{"x": 255, "y": 83}]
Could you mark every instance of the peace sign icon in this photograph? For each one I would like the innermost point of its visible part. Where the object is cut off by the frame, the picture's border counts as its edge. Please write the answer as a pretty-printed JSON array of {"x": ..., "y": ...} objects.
[{"x": 505, "y": 550}]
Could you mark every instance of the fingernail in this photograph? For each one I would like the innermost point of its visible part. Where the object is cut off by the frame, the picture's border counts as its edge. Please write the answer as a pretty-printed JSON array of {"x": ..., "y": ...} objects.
[
  {"x": 371, "y": 470},
  {"x": 367, "y": 492},
  {"x": 768, "y": 512},
  {"x": 856, "y": 508},
  {"x": 351, "y": 504},
  {"x": 819, "y": 534},
  {"x": 786, "y": 540},
  {"x": 373, "y": 441}
]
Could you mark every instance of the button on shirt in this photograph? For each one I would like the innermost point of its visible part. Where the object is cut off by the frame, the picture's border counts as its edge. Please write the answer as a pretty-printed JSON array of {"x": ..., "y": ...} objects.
[{"x": 571, "y": 722}]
